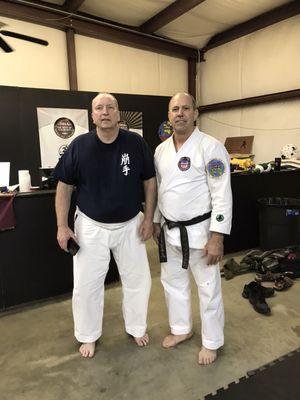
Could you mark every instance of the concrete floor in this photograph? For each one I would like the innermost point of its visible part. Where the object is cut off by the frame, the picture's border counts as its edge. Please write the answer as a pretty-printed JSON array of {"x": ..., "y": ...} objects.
[{"x": 40, "y": 360}]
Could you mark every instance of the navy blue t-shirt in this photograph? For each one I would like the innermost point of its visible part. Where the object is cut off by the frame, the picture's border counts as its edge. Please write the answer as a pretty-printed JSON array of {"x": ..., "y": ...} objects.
[{"x": 108, "y": 177}]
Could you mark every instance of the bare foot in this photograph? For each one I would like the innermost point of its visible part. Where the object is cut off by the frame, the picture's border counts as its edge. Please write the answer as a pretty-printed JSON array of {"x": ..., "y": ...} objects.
[
  {"x": 173, "y": 340},
  {"x": 87, "y": 350},
  {"x": 207, "y": 356},
  {"x": 142, "y": 341}
]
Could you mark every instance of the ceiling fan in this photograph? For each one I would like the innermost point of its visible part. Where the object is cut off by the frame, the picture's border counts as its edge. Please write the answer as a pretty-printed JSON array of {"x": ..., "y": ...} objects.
[{"x": 6, "y": 47}]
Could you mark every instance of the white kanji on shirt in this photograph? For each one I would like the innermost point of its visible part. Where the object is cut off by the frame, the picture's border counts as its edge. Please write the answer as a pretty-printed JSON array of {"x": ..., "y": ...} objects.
[
  {"x": 125, "y": 170},
  {"x": 125, "y": 161}
]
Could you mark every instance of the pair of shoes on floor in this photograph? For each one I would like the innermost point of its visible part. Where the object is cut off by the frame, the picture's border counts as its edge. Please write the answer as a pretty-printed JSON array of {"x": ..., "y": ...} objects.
[
  {"x": 231, "y": 269},
  {"x": 270, "y": 276},
  {"x": 282, "y": 280},
  {"x": 257, "y": 294}
]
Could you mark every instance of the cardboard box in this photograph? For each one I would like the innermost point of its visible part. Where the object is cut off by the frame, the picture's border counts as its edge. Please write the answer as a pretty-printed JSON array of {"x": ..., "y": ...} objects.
[{"x": 239, "y": 146}]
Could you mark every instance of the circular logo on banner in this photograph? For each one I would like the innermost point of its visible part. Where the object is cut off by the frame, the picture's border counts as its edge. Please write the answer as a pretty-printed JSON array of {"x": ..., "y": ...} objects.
[
  {"x": 165, "y": 130},
  {"x": 216, "y": 168},
  {"x": 184, "y": 163},
  {"x": 64, "y": 127}
]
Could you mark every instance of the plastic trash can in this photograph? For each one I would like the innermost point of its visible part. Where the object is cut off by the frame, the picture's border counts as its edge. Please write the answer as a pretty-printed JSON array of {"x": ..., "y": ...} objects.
[{"x": 279, "y": 222}]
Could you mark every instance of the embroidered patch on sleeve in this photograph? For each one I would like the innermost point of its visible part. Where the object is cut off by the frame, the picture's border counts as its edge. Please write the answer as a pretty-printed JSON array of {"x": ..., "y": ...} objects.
[
  {"x": 215, "y": 168},
  {"x": 220, "y": 217}
]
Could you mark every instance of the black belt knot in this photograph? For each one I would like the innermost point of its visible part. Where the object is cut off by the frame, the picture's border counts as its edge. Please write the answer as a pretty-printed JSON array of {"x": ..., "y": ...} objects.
[{"x": 184, "y": 240}]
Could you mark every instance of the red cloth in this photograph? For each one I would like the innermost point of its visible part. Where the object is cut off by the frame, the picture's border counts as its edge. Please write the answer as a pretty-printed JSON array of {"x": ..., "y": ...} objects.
[{"x": 7, "y": 216}]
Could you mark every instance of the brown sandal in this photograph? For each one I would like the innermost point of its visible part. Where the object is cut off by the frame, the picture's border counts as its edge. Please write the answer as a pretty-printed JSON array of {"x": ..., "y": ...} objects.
[
  {"x": 283, "y": 283},
  {"x": 268, "y": 277}
]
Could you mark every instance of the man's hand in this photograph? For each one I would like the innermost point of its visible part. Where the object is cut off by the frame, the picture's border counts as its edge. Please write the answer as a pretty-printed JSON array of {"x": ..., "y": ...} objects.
[
  {"x": 146, "y": 229},
  {"x": 214, "y": 248},
  {"x": 156, "y": 232},
  {"x": 64, "y": 233},
  {"x": 62, "y": 206}
]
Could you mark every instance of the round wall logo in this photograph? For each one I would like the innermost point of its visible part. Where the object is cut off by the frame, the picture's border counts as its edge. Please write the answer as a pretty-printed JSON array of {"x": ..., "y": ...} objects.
[
  {"x": 184, "y": 163},
  {"x": 64, "y": 127},
  {"x": 165, "y": 130}
]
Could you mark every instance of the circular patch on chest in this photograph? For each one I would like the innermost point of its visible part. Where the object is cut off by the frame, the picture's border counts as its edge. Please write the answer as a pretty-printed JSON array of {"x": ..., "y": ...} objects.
[
  {"x": 184, "y": 163},
  {"x": 215, "y": 168}
]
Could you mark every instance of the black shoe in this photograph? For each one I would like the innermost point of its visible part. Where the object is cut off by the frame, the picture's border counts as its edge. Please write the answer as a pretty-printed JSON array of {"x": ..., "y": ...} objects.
[
  {"x": 267, "y": 291},
  {"x": 254, "y": 292}
]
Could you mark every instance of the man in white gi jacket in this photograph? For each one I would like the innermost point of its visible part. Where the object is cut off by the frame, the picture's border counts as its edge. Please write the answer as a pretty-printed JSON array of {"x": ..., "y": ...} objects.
[
  {"x": 109, "y": 167},
  {"x": 194, "y": 212}
]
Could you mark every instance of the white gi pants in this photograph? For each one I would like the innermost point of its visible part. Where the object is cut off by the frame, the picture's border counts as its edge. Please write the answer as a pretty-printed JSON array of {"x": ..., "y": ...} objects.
[
  {"x": 90, "y": 268},
  {"x": 176, "y": 283}
]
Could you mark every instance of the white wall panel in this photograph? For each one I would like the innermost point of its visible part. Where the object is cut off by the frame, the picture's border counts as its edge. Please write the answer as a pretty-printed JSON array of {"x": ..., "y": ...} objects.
[
  {"x": 101, "y": 65},
  {"x": 105, "y": 66},
  {"x": 221, "y": 124},
  {"x": 33, "y": 65},
  {"x": 267, "y": 61},
  {"x": 273, "y": 125},
  {"x": 220, "y": 74},
  {"x": 271, "y": 59},
  {"x": 173, "y": 75}
]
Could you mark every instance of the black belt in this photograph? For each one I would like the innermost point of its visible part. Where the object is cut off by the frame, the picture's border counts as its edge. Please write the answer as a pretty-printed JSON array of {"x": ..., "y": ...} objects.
[{"x": 184, "y": 239}]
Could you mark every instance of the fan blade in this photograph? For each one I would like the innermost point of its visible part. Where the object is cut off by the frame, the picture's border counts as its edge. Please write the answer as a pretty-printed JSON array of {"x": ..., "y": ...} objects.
[
  {"x": 4, "y": 46},
  {"x": 24, "y": 37}
]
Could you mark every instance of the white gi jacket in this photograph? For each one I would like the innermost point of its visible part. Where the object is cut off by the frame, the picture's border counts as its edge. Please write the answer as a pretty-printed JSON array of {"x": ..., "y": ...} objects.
[{"x": 192, "y": 182}]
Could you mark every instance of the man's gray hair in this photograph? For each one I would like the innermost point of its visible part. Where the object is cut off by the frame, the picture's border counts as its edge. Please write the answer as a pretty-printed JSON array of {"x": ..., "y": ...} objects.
[
  {"x": 186, "y": 94},
  {"x": 104, "y": 94}
]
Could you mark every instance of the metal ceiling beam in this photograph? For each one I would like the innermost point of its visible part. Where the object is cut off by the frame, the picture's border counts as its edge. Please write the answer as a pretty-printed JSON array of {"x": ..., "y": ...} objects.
[
  {"x": 249, "y": 101},
  {"x": 72, "y": 5},
  {"x": 261, "y": 21},
  {"x": 71, "y": 52},
  {"x": 56, "y": 7},
  {"x": 49, "y": 16},
  {"x": 192, "y": 76},
  {"x": 168, "y": 14}
]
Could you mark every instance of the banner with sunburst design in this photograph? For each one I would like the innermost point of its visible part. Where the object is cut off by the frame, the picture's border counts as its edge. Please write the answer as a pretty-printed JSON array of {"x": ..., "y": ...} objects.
[{"x": 132, "y": 121}]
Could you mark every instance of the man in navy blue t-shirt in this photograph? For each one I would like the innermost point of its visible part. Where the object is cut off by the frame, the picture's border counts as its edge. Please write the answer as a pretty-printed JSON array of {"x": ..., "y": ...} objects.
[{"x": 113, "y": 172}]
